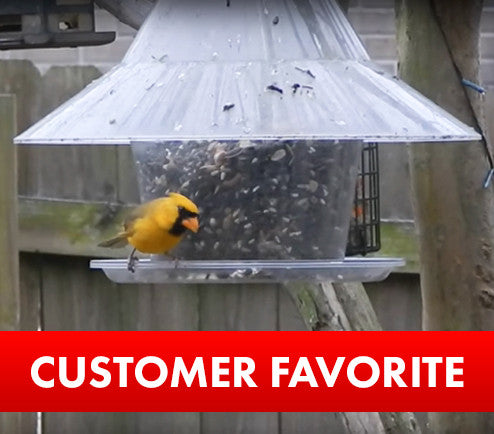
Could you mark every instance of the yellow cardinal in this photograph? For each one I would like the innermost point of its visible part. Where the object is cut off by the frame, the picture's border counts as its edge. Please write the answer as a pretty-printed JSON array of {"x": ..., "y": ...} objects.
[{"x": 156, "y": 226}]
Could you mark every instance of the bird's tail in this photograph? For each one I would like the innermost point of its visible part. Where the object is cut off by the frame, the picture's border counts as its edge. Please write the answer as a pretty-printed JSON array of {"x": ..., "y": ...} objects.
[{"x": 116, "y": 242}]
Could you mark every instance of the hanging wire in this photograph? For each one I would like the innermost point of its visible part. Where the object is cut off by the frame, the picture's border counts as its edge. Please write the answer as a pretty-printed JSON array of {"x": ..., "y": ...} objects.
[
  {"x": 473, "y": 86},
  {"x": 490, "y": 173}
]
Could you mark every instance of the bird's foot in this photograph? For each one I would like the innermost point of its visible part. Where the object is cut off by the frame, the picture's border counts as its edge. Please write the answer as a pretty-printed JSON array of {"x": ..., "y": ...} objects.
[{"x": 131, "y": 263}]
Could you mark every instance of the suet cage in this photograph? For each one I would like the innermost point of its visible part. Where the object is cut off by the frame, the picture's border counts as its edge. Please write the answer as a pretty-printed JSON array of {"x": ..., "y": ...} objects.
[{"x": 364, "y": 235}]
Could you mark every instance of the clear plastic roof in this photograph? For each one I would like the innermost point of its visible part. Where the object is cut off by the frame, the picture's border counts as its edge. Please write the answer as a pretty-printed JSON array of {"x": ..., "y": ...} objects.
[{"x": 257, "y": 70}]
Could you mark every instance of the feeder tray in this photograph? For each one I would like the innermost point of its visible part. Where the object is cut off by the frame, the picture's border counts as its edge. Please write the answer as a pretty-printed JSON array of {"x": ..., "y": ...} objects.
[{"x": 213, "y": 272}]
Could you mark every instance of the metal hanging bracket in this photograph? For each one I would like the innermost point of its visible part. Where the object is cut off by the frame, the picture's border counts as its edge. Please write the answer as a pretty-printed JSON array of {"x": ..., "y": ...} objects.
[{"x": 49, "y": 24}]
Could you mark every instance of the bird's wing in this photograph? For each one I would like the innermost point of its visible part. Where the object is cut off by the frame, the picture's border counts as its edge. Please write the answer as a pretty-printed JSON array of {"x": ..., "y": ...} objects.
[
  {"x": 134, "y": 214},
  {"x": 146, "y": 209}
]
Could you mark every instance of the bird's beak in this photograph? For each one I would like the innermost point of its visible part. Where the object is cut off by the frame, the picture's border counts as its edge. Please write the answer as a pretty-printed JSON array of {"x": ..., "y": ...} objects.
[{"x": 191, "y": 223}]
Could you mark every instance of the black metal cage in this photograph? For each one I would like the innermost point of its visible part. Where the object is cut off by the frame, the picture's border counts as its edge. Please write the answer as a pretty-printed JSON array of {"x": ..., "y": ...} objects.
[{"x": 364, "y": 233}]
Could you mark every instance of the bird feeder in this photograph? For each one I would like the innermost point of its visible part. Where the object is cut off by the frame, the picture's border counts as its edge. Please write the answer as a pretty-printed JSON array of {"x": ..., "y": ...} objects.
[{"x": 257, "y": 111}]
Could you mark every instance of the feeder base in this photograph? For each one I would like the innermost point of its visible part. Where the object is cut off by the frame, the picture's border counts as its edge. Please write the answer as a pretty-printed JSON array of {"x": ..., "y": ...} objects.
[{"x": 214, "y": 272}]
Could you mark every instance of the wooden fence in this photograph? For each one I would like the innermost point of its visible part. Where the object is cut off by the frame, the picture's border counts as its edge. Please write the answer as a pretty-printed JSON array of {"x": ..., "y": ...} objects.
[{"x": 70, "y": 198}]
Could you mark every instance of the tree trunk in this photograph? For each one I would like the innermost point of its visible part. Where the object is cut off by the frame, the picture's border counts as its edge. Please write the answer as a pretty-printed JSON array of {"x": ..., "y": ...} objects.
[
  {"x": 438, "y": 44},
  {"x": 346, "y": 306}
]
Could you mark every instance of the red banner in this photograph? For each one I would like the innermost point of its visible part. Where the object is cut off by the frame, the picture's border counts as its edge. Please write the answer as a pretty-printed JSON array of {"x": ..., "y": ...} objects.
[{"x": 246, "y": 371}]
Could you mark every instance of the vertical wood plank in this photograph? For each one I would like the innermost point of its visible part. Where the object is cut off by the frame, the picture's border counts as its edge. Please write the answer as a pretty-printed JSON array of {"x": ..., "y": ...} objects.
[
  {"x": 75, "y": 298},
  {"x": 289, "y": 315},
  {"x": 30, "y": 291},
  {"x": 9, "y": 263},
  {"x": 239, "y": 423},
  {"x": 75, "y": 172},
  {"x": 128, "y": 187},
  {"x": 167, "y": 423},
  {"x": 22, "y": 78},
  {"x": 397, "y": 302},
  {"x": 239, "y": 307},
  {"x": 164, "y": 307},
  {"x": 29, "y": 314},
  {"x": 94, "y": 423},
  {"x": 294, "y": 423}
]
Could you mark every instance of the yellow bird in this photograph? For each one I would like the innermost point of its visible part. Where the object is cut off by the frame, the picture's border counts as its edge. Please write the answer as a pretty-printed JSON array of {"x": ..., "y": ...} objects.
[{"x": 156, "y": 226}]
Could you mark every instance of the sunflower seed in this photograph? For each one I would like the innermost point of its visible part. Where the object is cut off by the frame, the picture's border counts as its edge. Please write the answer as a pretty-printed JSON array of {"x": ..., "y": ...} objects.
[{"x": 278, "y": 155}]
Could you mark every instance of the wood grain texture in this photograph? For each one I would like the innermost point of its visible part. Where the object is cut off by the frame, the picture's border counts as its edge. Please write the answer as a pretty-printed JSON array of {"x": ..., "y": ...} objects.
[
  {"x": 121, "y": 423},
  {"x": 62, "y": 172},
  {"x": 9, "y": 253},
  {"x": 30, "y": 291},
  {"x": 452, "y": 209},
  {"x": 81, "y": 423},
  {"x": 438, "y": 46},
  {"x": 239, "y": 423},
  {"x": 91, "y": 302},
  {"x": 397, "y": 302},
  {"x": 311, "y": 422},
  {"x": 127, "y": 185},
  {"x": 69, "y": 227},
  {"x": 9, "y": 265},
  {"x": 239, "y": 307},
  {"x": 30, "y": 319},
  {"x": 22, "y": 79},
  {"x": 289, "y": 315},
  {"x": 346, "y": 307},
  {"x": 293, "y": 301}
]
